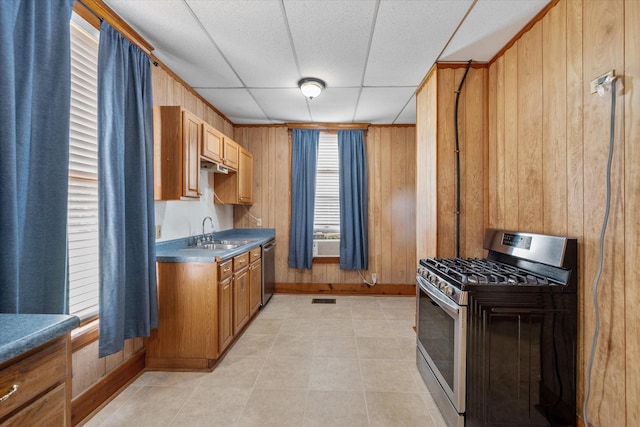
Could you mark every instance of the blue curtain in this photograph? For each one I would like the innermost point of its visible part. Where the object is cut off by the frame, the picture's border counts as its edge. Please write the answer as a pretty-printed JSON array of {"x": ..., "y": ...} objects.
[
  {"x": 128, "y": 293},
  {"x": 304, "y": 158},
  {"x": 35, "y": 87},
  {"x": 353, "y": 200}
]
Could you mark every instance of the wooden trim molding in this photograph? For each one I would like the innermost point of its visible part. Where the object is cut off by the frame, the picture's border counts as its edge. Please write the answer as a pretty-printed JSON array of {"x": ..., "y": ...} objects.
[
  {"x": 85, "y": 335},
  {"x": 345, "y": 289},
  {"x": 327, "y": 260},
  {"x": 93, "y": 399},
  {"x": 103, "y": 11},
  {"x": 94, "y": 10},
  {"x": 524, "y": 29}
]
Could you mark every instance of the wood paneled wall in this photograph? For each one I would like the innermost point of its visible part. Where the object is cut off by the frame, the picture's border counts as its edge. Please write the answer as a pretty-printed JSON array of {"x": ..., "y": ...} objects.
[
  {"x": 436, "y": 163},
  {"x": 548, "y": 146},
  {"x": 391, "y": 170}
]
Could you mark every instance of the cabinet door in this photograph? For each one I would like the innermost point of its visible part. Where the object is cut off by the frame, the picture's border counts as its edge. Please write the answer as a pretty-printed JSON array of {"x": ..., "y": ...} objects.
[
  {"x": 231, "y": 152},
  {"x": 255, "y": 296},
  {"x": 225, "y": 313},
  {"x": 245, "y": 178},
  {"x": 211, "y": 143},
  {"x": 240, "y": 300},
  {"x": 191, "y": 154}
]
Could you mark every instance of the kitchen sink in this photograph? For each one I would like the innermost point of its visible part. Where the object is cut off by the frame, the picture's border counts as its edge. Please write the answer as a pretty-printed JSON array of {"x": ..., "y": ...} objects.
[{"x": 221, "y": 244}]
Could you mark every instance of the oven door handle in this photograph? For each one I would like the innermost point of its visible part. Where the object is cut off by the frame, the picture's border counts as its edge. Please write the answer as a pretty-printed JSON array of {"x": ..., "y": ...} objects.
[{"x": 447, "y": 305}]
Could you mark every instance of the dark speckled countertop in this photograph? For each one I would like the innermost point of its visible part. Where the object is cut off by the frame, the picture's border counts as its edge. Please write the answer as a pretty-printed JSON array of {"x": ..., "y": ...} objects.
[
  {"x": 179, "y": 250},
  {"x": 20, "y": 333}
]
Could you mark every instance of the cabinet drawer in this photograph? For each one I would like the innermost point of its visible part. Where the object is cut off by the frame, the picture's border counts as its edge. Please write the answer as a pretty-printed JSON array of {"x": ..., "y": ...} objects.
[
  {"x": 33, "y": 376},
  {"x": 225, "y": 270},
  {"x": 46, "y": 411},
  {"x": 240, "y": 261},
  {"x": 254, "y": 254}
]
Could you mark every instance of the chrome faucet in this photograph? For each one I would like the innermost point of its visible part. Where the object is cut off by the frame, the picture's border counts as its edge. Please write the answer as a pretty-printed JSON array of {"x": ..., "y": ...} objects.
[{"x": 203, "y": 221}]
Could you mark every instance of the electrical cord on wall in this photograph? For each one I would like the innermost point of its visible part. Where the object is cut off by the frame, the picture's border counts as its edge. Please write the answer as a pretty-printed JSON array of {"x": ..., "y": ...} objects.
[
  {"x": 255, "y": 219},
  {"x": 455, "y": 121},
  {"x": 596, "y": 280}
]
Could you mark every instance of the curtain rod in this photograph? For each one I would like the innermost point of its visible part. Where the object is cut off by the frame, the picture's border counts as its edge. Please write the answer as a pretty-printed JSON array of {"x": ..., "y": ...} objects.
[{"x": 328, "y": 126}]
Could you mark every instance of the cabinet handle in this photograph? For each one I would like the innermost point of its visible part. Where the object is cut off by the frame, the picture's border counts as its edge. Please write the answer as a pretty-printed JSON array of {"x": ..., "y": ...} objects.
[
  {"x": 227, "y": 269},
  {"x": 11, "y": 392}
]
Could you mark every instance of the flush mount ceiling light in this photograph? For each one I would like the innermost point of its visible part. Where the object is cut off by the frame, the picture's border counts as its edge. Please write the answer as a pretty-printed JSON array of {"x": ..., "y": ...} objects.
[{"x": 311, "y": 87}]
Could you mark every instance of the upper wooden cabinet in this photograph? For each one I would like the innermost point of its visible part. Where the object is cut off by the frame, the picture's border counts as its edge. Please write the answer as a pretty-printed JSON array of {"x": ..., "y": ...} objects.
[
  {"x": 245, "y": 178},
  {"x": 230, "y": 153},
  {"x": 236, "y": 188},
  {"x": 212, "y": 140},
  {"x": 177, "y": 140}
]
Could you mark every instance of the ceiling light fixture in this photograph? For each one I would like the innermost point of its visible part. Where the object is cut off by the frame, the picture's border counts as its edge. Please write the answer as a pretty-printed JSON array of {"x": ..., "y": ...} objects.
[{"x": 311, "y": 87}]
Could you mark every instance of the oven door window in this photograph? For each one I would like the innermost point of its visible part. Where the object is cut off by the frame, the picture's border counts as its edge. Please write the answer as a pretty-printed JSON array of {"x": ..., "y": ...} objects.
[{"x": 437, "y": 335}]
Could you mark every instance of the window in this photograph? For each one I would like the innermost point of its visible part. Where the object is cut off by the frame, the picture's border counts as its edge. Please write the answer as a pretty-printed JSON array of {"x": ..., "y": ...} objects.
[
  {"x": 326, "y": 226},
  {"x": 82, "y": 217}
]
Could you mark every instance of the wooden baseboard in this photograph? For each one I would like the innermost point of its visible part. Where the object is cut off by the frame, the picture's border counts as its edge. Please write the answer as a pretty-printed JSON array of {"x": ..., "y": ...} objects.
[
  {"x": 107, "y": 388},
  {"x": 344, "y": 289},
  {"x": 179, "y": 364}
]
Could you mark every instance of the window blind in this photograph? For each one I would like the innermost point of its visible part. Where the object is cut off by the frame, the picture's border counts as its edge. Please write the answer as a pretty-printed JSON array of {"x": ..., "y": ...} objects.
[
  {"x": 82, "y": 217},
  {"x": 327, "y": 202}
]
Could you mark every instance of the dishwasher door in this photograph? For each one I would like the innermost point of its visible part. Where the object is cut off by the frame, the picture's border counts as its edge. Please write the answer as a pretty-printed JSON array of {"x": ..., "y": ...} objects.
[{"x": 268, "y": 270}]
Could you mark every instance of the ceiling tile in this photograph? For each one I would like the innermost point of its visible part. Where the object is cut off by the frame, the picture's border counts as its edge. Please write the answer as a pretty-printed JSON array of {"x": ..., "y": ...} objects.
[
  {"x": 253, "y": 37},
  {"x": 408, "y": 114},
  {"x": 408, "y": 38},
  {"x": 331, "y": 38},
  {"x": 478, "y": 41},
  {"x": 335, "y": 105},
  {"x": 283, "y": 105},
  {"x": 170, "y": 29},
  {"x": 234, "y": 103},
  {"x": 382, "y": 105}
]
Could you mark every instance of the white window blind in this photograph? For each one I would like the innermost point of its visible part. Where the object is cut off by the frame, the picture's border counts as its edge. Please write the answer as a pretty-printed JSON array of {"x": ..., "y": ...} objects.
[
  {"x": 327, "y": 202},
  {"x": 82, "y": 228}
]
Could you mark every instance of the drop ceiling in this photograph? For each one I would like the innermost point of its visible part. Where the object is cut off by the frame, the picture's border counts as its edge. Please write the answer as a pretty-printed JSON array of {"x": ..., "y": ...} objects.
[{"x": 245, "y": 57}]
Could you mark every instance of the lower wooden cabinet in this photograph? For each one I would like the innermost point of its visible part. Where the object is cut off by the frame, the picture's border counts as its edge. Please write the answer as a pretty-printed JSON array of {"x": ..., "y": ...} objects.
[
  {"x": 187, "y": 333},
  {"x": 202, "y": 308},
  {"x": 225, "y": 313},
  {"x": 37, "y": 387},
  {"x": 255, "y": 280}
]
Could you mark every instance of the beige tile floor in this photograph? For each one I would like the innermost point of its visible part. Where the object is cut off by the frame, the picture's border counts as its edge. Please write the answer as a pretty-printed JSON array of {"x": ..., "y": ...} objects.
[{"x": 297, "y": 364}]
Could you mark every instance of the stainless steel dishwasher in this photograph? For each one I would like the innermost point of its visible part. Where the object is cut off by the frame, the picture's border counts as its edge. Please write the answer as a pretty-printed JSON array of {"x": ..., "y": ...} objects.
[{"x": 268, "y": 270}]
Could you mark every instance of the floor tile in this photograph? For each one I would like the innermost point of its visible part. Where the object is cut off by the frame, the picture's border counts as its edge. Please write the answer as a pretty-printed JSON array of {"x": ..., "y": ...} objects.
[
  {"x": 297, "y": 364},
  {"x": 343, "y": 347},
  {"x": 336, "y": 374},
  {"x": 234, "y": 371},
  {"x": 335, "y": 409},
  {"x": 274, "y": 408},
  {"x": 285, "y": 373},
  {"x": 206, "y": 407},
  {"x": 397, "y": 409},
  {"x": 387, "y": 375},
  {"x": 152, "y": 406},
  {"x": 378, "y": 348}
]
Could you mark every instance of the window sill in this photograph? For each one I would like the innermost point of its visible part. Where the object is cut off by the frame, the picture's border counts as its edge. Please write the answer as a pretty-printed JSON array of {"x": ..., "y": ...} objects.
[
  {"x": 84, "y": 335},
  {"x": 327, "y": 260}
]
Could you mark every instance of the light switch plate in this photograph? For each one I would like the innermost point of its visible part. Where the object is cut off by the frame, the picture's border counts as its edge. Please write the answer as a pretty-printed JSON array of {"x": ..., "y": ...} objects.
[{"x": 158, "y": 231}]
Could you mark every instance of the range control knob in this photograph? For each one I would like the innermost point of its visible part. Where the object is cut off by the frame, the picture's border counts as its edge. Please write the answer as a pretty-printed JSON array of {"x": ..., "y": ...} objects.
[
  {"x": 442, "y": 285},
  {"x": 448, "y": 291}
]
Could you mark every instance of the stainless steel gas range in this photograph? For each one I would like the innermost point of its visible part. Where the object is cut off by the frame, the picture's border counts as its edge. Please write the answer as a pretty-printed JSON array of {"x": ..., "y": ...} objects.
[{"x": 496, "y": 337}]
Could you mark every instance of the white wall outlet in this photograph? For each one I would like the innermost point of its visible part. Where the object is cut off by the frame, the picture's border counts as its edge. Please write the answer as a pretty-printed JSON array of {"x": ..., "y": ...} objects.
[
  {"x": 158, "y": 231},
  {"x": 374, "y": 278},
  {"x": 259, "y": 222}
]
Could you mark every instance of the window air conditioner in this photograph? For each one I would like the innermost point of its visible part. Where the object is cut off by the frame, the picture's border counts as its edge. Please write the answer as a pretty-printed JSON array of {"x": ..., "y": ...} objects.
[{"x": 326, "y": 248}]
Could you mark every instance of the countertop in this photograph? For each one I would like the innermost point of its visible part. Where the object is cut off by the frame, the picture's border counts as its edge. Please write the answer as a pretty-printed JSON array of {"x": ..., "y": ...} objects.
[
  {"x": 179, "y": 250},
  {"x": 20, "y": 333}
]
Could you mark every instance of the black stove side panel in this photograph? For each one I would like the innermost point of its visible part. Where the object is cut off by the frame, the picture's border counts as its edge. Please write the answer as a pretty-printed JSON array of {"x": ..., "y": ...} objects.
[{"x": 521, "y": 359}]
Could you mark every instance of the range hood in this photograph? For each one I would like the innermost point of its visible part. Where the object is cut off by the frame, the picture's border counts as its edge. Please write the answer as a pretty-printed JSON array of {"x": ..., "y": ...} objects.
[{"x": 213, "y": 167}]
